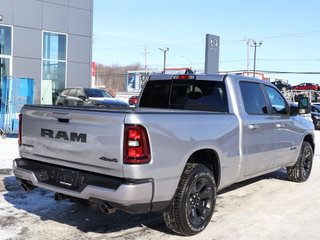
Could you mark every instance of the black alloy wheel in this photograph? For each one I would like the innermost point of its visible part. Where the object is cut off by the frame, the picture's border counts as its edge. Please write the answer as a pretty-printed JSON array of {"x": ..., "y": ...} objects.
[
  {"x": 193, "y": 204},
  {"x": 301, "y": 171},
  {"x": 200, "y": 201},
  {"x": 306, "y": 162}
]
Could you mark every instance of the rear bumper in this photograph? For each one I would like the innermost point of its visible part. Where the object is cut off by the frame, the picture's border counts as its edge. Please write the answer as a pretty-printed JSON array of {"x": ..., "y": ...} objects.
[{"x": 127, "y": 196}]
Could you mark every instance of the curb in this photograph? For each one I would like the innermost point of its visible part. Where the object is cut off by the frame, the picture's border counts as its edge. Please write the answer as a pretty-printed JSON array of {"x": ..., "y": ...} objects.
[{"x": 6, "y": 171}]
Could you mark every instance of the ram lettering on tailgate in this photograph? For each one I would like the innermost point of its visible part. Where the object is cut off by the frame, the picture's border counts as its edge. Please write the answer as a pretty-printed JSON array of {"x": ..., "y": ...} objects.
[{"x": 74, "y": 137}]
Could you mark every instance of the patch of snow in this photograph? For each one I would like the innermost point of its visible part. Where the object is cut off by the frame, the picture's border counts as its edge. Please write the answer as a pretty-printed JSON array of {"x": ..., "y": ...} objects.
[{"x": 8, "y": 152}]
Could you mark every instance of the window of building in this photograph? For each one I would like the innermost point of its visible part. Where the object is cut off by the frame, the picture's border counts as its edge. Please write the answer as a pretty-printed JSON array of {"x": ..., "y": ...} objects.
[
  {"x": 5, "y": 52},
  {"x": 54, "y": 66},
  {"x": 5, "y": 40},
  {"x": 253, "y": 98}
]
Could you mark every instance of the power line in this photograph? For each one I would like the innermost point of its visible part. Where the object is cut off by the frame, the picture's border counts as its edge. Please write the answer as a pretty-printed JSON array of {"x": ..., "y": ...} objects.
[
  {"x": 289, "y": 72},
  {"x": 292, "y": 35},
  {"x": 274, "y": 37},
  {"x": 276, "y": 60},
  {"x": 292, "y": 59},
  {"x": 277, "y": 72}
]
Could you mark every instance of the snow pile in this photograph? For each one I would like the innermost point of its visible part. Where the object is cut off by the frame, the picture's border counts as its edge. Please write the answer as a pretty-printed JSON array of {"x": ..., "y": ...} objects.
[{"x": 8, "y": 152}]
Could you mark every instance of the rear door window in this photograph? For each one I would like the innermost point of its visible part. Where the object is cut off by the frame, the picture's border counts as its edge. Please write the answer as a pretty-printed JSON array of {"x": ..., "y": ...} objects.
[
  {"x": 65, "y": 92},
  {"x": 73, "y": 92}
]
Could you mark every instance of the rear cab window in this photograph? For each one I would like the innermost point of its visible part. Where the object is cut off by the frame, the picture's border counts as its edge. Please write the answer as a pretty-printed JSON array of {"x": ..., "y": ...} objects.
[{"x": 198, "y": 95}]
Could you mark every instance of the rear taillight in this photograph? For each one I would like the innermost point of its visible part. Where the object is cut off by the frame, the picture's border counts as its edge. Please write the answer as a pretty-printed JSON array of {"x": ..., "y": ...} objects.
[
  {"x": 136, "y": 145},
  {"x": 135, "y": 100},
  {"x": 20, "y": 129}
]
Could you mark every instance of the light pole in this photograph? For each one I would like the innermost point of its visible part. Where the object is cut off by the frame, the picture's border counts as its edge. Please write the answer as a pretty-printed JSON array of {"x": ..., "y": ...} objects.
[
  {"x": 255, "y": 45},
  {"x": 164, "y": 50}
]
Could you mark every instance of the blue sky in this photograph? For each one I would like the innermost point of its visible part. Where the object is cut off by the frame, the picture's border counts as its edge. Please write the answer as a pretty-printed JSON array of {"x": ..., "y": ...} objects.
[{"x": 290, "y": 31}]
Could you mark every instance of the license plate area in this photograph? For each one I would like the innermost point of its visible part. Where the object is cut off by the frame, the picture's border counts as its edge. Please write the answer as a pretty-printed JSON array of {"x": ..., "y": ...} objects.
[
  {"x": 68, "y": 178},
  {"x": 73, "y": 179}
]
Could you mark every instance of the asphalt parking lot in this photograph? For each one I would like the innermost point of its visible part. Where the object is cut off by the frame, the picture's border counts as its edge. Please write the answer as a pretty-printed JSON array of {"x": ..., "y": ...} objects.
[{"x": 267, "y": 207}]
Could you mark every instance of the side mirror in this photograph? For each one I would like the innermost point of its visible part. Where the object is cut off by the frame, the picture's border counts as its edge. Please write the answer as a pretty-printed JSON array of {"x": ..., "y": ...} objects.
[
  {"x": 304, "y": 105},
  {"x": 82, "y": 97},
  {"x": 294, "y": 110}
]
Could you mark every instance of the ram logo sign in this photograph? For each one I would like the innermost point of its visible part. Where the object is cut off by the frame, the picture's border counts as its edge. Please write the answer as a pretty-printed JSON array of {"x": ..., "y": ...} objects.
[{"x": 74, "y": 137}]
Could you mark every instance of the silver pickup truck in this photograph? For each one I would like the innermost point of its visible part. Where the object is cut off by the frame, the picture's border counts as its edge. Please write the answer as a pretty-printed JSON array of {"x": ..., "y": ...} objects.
[{"x": 189, "y": 137}]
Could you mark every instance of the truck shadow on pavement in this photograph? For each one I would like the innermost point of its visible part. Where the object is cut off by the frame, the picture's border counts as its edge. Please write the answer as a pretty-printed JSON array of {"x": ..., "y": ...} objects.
[
  {"x": 87, "y": 216},
  {"x": 84, "y": 215}
]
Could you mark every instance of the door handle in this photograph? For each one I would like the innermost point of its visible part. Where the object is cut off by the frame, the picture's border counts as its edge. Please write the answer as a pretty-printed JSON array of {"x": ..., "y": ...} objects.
[
  {"x": 253, "y": 126},
  {"x": 280, "y": 125},
  {"x": 61, "y": 115}
]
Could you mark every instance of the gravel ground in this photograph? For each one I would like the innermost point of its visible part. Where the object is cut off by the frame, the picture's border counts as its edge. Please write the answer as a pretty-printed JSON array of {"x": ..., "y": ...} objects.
[{"x": 267, "y": 207}]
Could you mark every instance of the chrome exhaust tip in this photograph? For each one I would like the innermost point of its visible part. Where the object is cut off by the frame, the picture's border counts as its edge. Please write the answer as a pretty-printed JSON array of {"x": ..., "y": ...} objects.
[
  {"x": 107, "y": 208},
  {"x": 27, "y": 186}
]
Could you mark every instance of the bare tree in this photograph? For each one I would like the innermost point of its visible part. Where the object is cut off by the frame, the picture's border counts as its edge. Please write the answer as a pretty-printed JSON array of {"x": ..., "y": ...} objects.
[{"x": 114, "y": 77}]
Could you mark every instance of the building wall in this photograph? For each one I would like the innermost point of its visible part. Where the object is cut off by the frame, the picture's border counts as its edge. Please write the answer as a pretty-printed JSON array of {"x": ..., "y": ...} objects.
[{"x": 29, "y": 18}]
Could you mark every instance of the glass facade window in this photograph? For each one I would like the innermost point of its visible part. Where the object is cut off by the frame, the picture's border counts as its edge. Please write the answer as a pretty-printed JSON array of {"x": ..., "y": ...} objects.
[
  {"x": 4, "y": 67},
  {"x": 54, "y": 46},
  {"x": 54, "y": 65},
  {"x": 5, "y": 40},
  {"x": 5, "y": 52},
  {"x": 56, "y": 72}
]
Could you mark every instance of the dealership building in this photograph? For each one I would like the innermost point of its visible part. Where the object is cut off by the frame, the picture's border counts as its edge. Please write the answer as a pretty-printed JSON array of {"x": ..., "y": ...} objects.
[{"x": 49, "y": 41}]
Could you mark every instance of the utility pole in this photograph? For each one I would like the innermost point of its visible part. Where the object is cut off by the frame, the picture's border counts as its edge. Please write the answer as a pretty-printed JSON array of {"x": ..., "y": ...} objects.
[
  {"x": 255, "y": 45},
  {"x": 248, "y": 55},
  {"x": 145, "y": 59},
  {"x": 164, "y": 50}
]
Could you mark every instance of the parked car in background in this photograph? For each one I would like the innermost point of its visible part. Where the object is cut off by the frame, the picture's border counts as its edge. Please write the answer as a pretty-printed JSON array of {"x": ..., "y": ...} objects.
[
  {"x": 315, "y": 115},
  {"x": 282, "y": 85},
  {"x": 307, "y": 86},
  {"x": 133, "y": 100},
  {"x": 88, "y": 97}
]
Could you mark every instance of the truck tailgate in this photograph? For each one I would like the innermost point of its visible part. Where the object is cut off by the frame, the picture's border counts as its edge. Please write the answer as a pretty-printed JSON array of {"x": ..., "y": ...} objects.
[{"x": 89, "y": 140}]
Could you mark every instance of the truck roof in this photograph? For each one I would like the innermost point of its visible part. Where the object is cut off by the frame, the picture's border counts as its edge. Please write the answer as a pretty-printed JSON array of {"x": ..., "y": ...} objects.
[
  {"x": 208, "y": 77},
  {"x": 213, "y": 77}
]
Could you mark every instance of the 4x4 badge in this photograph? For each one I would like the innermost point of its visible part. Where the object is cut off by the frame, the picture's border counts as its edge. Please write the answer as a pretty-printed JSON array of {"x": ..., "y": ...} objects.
[{"x": 108, "y": 159}]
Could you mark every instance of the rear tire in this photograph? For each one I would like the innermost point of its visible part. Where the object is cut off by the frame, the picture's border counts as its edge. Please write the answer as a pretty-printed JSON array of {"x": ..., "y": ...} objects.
[
  {"x": 301, "y": 171},
  {"x": 193, "y": 204}
]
